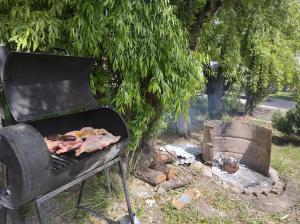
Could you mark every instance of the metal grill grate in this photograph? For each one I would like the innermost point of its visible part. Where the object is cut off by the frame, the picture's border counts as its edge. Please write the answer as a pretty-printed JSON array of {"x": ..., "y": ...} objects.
[{"x": 61, "y": 162}]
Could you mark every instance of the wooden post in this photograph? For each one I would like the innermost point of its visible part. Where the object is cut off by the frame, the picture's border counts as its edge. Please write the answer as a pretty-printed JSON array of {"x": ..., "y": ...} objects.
[{"x": 208, "y": 143}]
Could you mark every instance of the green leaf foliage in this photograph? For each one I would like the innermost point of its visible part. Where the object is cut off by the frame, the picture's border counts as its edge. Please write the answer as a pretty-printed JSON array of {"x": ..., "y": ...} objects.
[
  {"x": 288, "y": 123},
  {"x": 254, "y": 41},
  {"x": 144, "y": 65}
]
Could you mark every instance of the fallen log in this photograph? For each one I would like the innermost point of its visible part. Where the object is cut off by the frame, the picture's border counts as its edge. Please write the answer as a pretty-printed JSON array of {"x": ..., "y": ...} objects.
[
  {"x": 150, "y": 176},
  {"x": 164, "y": 168},
  {"x": 173, "y": 184},
  {"x": 166, "y": 157}
]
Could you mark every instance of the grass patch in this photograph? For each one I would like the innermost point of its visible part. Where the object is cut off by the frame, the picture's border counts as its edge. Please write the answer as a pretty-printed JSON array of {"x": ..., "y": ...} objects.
[
  {"x": 244, "y": 215},
  {"x": 284, "y": 96},
  {"x": 188, "y": 215},
  {"x": 219, "y": 201},
  {"x": 28, "y": 210},
  {"x": 237, "y": 211},
  {"x": 139, "y": 210},
  {"x": 260, "y": 122},
  {"x": 95, "y": 196},
  {"x": 286, "y": 160}
]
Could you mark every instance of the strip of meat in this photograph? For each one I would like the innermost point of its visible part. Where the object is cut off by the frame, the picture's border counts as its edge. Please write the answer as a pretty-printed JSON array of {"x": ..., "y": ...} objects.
[
  {"x": 76, "y": 134},
  {"x": 96, "y": 143},
  {"x": 59, "y": 137},
  {"x": 53, "y": 146},
  {"x": 68, "y": 146}
]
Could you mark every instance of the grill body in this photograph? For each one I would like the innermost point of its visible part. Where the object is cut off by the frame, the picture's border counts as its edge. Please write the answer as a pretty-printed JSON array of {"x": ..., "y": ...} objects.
[{"x": 46, "y": 95}]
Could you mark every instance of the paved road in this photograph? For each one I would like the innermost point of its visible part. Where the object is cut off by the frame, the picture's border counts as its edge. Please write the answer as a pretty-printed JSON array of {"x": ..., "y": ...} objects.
[{"x": 275, "y": 104}]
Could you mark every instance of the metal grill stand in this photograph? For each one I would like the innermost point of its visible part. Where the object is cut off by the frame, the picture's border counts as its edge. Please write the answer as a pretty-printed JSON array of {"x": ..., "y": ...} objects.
[{"x": 40, "y": 200}]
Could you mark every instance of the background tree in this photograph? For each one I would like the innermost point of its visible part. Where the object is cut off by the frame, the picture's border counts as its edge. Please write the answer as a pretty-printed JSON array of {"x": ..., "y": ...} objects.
[
  {"x": 194, "y": 14},
  {"x": 254, "y": 43},
  {"x": 270, "y": 44},
  {"x": 144, "y": 65}
]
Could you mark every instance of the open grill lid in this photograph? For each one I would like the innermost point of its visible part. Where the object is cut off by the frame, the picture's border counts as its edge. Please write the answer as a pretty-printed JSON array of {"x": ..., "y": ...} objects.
[{"x": 39, "y": 85}]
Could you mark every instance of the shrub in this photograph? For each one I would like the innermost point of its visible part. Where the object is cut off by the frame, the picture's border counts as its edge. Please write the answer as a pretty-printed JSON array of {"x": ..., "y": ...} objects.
[
  {"x": 289, "y": 123},
  {"x": 232, "y": 104}
]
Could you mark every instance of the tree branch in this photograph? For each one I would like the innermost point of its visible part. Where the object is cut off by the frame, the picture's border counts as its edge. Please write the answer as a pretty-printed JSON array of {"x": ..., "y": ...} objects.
[
  {"x": 190, "y": 4},
  {"x": 209, "y": 9}
]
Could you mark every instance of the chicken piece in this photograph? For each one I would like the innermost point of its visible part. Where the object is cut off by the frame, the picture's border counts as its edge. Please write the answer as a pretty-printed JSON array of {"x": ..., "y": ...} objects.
[
  {"x": 87, "y": 132},
  {"x": 101, "y": 131},
  {"x": 108, "y": 139},
  {"x": 91, "y": 144},
  {"x": 81, "y": 134},
  {"x": 68, "y": 146},
  {"x": 96, "y": 143},
  {"x": 53, "y": 146},
  {"x": 96, "y": 131},
  {"x": 87, "y": 129},
  {"x": 77, "y": 134}
]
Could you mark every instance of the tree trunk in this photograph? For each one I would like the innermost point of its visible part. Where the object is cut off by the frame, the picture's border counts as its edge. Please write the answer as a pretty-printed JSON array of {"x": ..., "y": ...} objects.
[
  {"x": 149, "y": 141},
  {"x": 250, "y": 104},
  {"x": 184, "y": 126},
  {"x": 210, "y": 9},
  {"x": 215, "y": 92},
  {"x": 146, "y": 154}
]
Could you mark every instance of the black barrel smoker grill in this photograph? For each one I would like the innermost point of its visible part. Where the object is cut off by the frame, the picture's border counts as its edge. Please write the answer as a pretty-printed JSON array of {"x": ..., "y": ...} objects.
[{"x": 49, "y": 94}]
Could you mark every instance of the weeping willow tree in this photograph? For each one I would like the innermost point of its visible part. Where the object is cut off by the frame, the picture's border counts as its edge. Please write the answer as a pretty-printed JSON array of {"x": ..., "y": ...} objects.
[
  {"x": 271, "y": 42},
  {"x": 144, "y": 65},
  {"x": 254, "y": 42}
]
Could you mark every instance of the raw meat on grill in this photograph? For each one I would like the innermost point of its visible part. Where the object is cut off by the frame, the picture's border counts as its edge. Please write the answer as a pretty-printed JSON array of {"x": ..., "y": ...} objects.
[
  {"x": 87, "y": 129},
  {"x": 87, "y": 140},
  {"x": 52, "y": 145},
  {"x": 68, "y": 146},
  {"x": 90, "y": 144},
  {"x": 87, "y": 132},
  {"x": 108, "y": 139},
  {"x": 59, "y": 137},
  {"x": 98, "y": 142}
]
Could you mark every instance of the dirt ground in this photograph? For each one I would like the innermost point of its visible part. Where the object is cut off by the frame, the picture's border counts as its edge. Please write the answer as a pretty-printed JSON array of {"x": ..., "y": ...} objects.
[
  {"x": 216, "y": 204},
  {"x": 220, "y": 205}
]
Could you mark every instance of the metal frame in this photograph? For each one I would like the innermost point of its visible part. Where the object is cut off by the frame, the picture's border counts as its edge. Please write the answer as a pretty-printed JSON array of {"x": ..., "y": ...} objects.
[{"x": 39, "y": 201}]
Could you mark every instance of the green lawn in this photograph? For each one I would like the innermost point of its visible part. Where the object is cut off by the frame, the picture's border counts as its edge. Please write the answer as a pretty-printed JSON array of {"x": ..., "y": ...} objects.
[
  {"x": 290, "y": 96},
  {"x": 286, "y": 160}
]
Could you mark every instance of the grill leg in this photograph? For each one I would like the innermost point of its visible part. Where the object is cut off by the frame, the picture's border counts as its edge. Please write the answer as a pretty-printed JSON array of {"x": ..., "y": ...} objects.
[
  {"x": 80, "y": 193},
  {"x": 125, "y": 190},
  {"x": 15, "y": 216},
  {"x": 108, "y": 181},
  {"x": 3, "y": 214},
  {"x": 40, "y": 212}
]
